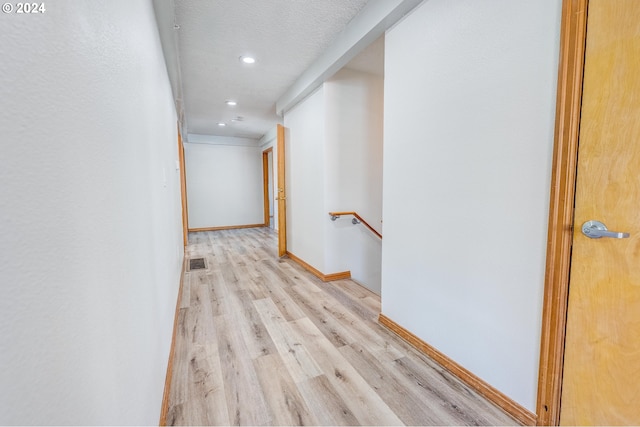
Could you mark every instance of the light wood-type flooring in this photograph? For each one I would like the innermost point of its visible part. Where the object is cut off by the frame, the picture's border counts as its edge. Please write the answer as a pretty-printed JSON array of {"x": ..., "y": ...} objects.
[{"x": 260, "y": 341}]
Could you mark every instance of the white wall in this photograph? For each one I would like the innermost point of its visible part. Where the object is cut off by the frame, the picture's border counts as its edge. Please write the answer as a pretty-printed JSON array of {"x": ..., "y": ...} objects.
[
  {"x": 353, "y": 125},
  {"x": 90, "y": 228},
  {"x": 224, "y": 183},
  {"x": 334, "y": 163},
  {"x": 304, "y": 176},
  {"x": 469, "y": 115}
]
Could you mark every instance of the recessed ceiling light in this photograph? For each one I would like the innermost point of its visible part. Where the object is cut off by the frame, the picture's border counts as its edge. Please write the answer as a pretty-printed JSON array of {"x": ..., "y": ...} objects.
[
  {"x": 248, "y": 59},
  {"x": 222, "y": 124},
  {"x": 231, "y": 103}
]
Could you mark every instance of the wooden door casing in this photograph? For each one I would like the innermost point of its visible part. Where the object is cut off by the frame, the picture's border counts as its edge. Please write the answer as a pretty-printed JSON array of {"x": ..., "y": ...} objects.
[
  {"x": 282, "y": 194},
  {"x": 602, "y": 347}
]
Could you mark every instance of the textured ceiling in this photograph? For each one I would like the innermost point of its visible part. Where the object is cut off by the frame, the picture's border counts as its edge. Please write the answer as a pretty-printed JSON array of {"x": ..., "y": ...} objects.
[{"x": 285, "y": 37}]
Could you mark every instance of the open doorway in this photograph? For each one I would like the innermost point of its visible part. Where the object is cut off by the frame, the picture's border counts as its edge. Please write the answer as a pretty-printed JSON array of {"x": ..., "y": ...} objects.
[{"x": 267, "y": 174}]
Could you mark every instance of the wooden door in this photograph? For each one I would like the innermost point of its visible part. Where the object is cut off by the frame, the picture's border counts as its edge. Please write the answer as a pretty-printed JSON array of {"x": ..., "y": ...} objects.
[
  {"x": 282, "y": 195},
  {"x": 601, "y": 381}
]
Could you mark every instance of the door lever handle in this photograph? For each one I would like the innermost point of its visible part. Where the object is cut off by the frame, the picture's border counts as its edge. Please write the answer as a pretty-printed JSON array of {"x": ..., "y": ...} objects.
[{"x": 596, "y": 230}]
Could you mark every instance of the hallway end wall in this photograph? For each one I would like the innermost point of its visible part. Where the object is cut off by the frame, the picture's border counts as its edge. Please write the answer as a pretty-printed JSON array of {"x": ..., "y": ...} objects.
[
  {"x": 224, "y": 182},
  {"x": 90, "y": 216}
]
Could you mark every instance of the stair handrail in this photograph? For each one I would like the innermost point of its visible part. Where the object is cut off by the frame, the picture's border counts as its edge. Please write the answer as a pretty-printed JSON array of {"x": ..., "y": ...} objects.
[{"x": 357, "y": 220}]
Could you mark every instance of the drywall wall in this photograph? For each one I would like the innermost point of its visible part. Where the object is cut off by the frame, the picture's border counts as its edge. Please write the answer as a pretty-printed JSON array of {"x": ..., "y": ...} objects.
[
  {"x": 353, "y": 155},
  {"x": 224, "y": 183},
  {"x": 334, "y": 163},
  {"x": 304, "y": 179},
  {"x": 90, "y": 227},
  {"x": 469, "y": 118}
]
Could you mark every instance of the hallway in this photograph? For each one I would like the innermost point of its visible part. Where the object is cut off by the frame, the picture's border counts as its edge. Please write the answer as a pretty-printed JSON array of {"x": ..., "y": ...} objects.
[{"x": 262, "y": 342}]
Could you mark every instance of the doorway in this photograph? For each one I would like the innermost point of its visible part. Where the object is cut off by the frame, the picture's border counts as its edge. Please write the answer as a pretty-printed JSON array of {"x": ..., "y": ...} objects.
[{"x": 268, "y": 187}]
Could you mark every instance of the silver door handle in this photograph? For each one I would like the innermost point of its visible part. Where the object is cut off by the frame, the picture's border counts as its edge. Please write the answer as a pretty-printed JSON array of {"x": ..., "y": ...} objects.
[{"x": 596, "y": 230}]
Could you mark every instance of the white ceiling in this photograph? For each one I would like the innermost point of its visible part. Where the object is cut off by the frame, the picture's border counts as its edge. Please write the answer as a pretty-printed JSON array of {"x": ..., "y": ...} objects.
[{"x": 203, "y": 41}]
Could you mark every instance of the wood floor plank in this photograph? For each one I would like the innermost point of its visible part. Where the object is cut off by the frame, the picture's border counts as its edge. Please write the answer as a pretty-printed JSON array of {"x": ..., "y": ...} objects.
[
  {"x": 245, "y": 402},
  {"x": 214, "y": 390},
  {"x": 254, "y": 332},
  {"x": 287, "y": 306},
  {"x": 238, "y": 303},
  {"x": 207, "y": 403},
  {"x": 412, "y": 408},
  {"x": 355, "y": 297},
  {"x": 185, "y": 297},
  {"x": 200, "y": 311},
  {"x": 453, "y": 394},
  {"x": 339, "y": 324},
  {"x": 295, "y": 355},
  {"x": 360, "y": 397},
  {"x": 261, "y": 341},
  {"x": 255, "y": 285},
  {"x": 278, "y": 268},
  {"x": 217, "y": 294},
  {"x": 325, "y": 319},
  {"x": 179, "y": 388},
  {"x": 288, "y": 408},
  {"x": 325, "y": 403}
]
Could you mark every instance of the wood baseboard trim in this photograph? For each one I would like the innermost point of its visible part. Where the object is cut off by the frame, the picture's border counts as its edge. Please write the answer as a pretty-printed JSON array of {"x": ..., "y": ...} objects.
[
  {"x": 507, "y": 404},
  {"x": 226, "y": 227},
  {"x": 337, "y": 276},
  {"x": 164, "y": 410},
  {"x": 324, "y": 277}
]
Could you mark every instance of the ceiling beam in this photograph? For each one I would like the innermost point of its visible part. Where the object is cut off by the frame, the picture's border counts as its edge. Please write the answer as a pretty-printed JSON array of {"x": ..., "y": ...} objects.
[
  {"x": 165, "y": 14},
  {"x": 374, "y": 19}
]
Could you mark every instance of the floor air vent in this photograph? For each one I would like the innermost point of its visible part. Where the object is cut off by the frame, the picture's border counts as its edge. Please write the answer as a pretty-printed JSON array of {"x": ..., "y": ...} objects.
[{"x": 196, "y": 264}]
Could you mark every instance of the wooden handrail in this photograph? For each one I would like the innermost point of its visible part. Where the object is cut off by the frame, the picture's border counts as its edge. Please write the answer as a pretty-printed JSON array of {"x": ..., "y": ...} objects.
[{"x": 359, "y": 218}]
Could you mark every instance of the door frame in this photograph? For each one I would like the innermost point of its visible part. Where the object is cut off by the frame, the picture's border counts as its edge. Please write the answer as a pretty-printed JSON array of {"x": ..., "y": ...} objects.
[
  {"x": 561, "y": 209},
  {"x": 265, "y": 185},
  {"x": 183, "y": 190},
  {"x": 282, "y": 193}
]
